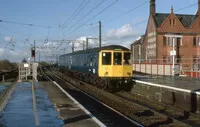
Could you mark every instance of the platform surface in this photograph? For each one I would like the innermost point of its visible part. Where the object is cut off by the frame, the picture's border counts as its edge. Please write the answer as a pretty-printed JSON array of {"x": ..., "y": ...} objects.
[
  {"x": 19, "y": 109},
  {"x": 70, "y": 112},
  {"x": 177, "y": 82}
]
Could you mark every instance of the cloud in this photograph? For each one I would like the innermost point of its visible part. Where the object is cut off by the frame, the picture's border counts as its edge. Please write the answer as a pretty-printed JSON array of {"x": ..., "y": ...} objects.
[
  {"x": 124, "y": 36},
  {"x": 126, "y": 31},
  {"x": 50, "y": 44},
  {"x": 6, "y": 38},
  {"x": 13, "y": 56}
]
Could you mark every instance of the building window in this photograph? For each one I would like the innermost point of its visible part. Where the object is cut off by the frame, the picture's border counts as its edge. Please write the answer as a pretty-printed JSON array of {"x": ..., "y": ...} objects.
[
  {"x": 179, "y": 59},
  {"x": 179, "y": 42},
  {"x": 194, "y": 59},
  {"x": 194, "y": 63},
  {"x": 164, "y": 40},
  {"x": 169, "y": 59},
  {"x": 199, "y": 41},
  {"x": 199, "y": 63},
  {"x": 164, "y": 59},
  {"x": 194, "y": 41},
  {"x": 170, "y": 41}
]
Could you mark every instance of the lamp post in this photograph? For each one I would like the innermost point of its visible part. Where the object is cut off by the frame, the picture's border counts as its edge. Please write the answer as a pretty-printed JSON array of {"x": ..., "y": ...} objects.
[{"x": 173, "y": 52}]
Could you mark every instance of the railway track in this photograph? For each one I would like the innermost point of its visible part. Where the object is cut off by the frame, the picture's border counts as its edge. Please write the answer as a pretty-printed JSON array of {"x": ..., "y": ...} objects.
[
  {"x": 173, "y": 113},
  {"x": 107, "y": 115},
  {"x": 145, "y": 114}
]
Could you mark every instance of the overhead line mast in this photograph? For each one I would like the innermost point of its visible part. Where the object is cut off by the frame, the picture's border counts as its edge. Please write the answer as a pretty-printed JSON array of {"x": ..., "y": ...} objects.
[{"x": 99, "y": 33}]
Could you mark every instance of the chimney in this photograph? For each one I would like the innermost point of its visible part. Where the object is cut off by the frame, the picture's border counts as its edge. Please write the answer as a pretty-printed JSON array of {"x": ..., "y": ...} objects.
[
  {"x": 153, "y": 7},
  {"x": 198, "y": 11}
]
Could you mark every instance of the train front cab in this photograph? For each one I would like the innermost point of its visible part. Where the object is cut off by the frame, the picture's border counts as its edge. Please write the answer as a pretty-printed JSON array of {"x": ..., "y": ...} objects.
[{"x": 116, "y": 66}]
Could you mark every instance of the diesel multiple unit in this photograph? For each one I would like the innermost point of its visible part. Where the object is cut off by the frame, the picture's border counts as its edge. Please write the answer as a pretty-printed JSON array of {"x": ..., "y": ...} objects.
[{"x": 106, "y": 67}]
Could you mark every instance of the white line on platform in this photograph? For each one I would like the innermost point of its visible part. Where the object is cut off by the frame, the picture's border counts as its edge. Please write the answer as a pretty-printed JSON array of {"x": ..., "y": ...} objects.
[
  {"x": 37, "y": 122},
  {"x": 168, "y": 87},
  {"x": 83, "y": 108}
]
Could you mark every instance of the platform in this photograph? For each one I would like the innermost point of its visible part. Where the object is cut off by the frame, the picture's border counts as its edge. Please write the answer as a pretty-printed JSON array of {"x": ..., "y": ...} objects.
[
  {"x": 54, "y": 108},
  {"x": 187, "y": 83},
  {"x": 180, "y": 92},
  {"x": 72, "y": 113},
  {"x": 19, "y": 109}
]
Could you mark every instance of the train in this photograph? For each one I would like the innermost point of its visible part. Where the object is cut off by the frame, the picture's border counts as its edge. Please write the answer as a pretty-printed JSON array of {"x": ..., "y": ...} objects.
[{"x": 107, "y": 67}]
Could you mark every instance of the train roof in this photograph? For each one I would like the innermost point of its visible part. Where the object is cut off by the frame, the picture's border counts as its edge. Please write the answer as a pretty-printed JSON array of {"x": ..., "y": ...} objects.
[{"x": 110, "y": 47}]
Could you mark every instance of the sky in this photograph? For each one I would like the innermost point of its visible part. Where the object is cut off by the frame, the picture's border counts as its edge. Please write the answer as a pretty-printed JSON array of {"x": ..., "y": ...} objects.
[{"x": 123, "y": 21}]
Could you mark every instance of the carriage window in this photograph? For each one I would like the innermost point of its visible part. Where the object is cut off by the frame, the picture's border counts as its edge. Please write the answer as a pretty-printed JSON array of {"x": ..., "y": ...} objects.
[
  {"x": 91, "y": 62},
  {"x": 106, "y": 58},
  {"x": 117, "y": 58},
  {"x": 127, "y": 58}
]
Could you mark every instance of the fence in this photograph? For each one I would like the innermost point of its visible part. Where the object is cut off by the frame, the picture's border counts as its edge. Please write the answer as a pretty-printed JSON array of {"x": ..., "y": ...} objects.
[
  {"x": 187, "y": 66},
  {"x": 156, "y": 69}
]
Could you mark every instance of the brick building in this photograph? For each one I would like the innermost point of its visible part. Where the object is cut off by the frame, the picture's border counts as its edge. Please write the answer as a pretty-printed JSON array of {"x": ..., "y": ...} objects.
[
  {"x": 138, "y": 50},
  {"x": 157, "y": 45}
]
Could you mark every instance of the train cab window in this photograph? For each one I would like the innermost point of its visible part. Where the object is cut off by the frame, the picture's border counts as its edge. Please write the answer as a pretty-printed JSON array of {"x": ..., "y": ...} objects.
[
  {"x": 91, "y": 62},
  {"x": 127, "y": 58},
  {"x": 106, "y": 58},
  {"x": 117, "y": 58}
]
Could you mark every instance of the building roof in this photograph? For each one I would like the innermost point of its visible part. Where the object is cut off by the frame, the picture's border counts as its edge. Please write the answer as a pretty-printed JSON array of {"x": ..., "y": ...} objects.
[
  {"x": 139, "y": 41},
  {"x": 186, "y": 20}
]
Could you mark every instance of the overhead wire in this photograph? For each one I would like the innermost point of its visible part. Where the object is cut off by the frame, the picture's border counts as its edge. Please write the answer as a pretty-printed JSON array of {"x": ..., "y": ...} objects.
[
  {"x": 79, "y": 9},
  {"x": 94, "y": 16},
  {"x": 27, "y": 24},
  {"x": 191, "y": 5},
  {"x": 139, "y": 23},
  {"x": 83, "y": 17},
  {"x": 124, "y": 13},
  {"x": 73, "y": 14},
  {"x": 146, "y": 1}
]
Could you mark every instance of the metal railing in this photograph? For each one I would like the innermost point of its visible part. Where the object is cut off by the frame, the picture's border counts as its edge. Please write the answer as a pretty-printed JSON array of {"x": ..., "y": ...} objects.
[{"x": 184, "y": 66}]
